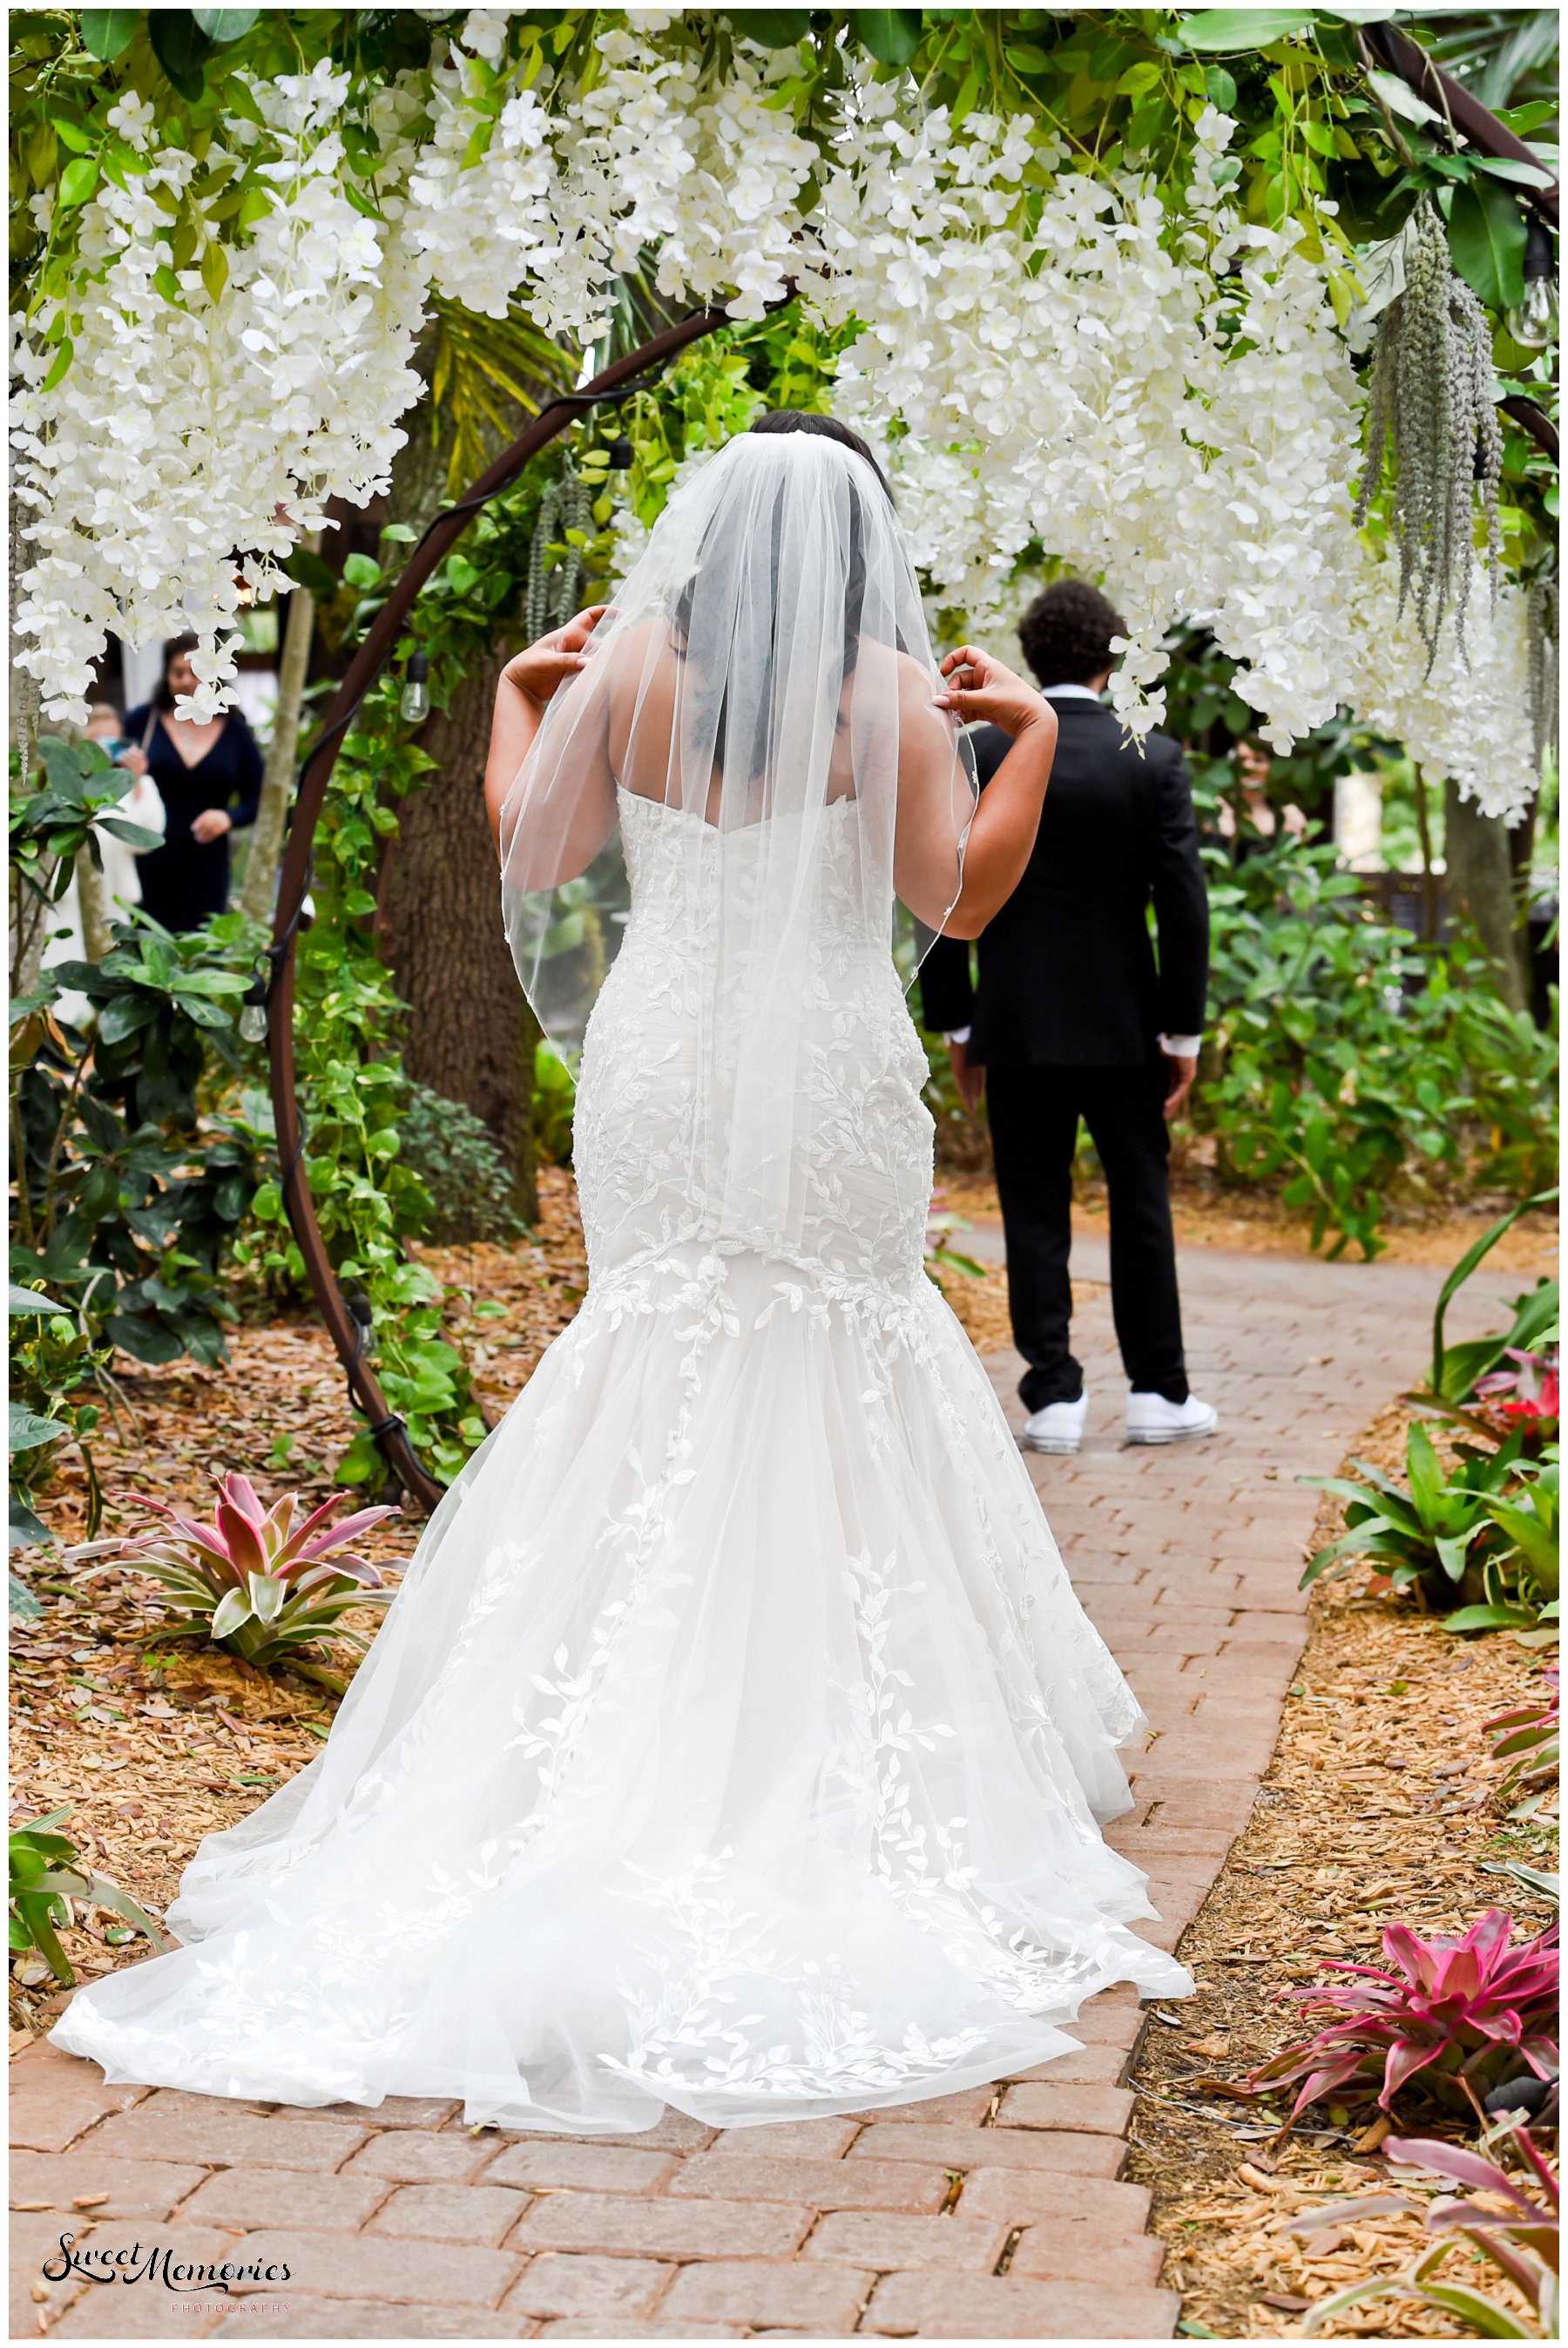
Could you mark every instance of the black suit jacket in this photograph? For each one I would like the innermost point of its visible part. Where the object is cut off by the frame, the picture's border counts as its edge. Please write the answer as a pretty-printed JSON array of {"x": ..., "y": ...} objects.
[{"x": 1068, "y": 975}]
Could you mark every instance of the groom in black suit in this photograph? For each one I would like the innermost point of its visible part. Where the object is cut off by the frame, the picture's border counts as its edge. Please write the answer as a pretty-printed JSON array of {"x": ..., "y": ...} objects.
[{"x": 1074, "y": 1016}]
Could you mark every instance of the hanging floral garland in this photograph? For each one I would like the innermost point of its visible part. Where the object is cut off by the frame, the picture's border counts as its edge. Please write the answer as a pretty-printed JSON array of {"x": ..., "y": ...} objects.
[{"x": 1065, "y": 347}]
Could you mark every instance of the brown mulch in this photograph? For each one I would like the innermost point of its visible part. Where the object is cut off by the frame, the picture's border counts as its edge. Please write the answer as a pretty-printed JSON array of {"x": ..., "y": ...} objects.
[
  {"x": 152, "y": 1745},
  {"x": 1380, "y": 1804}
]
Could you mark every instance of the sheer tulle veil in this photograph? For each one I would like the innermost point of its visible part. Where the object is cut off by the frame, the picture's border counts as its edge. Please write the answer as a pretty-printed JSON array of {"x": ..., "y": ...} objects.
[{"x": 765, "y": 676}]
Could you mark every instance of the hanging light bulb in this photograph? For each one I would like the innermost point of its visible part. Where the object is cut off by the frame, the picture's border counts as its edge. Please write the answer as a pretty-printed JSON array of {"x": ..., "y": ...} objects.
[
  {"x": 254, "y": 1013},
  {"x": 1532, "y": 321},
  {"x": 415, "y": 705}
]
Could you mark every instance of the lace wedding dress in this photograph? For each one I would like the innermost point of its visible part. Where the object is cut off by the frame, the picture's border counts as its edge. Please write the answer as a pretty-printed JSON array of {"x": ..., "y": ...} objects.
[{"x": 735, "y": 1741}]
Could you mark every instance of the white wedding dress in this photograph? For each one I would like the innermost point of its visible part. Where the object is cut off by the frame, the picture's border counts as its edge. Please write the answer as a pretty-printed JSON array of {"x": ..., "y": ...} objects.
[{"x": 735, "y": 1741}]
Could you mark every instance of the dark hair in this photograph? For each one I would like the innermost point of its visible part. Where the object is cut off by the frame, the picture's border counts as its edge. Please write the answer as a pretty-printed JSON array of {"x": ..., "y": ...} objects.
[
  {"x": 828, "y": 427},
  {"x": 1065, "y": 633},
  {"x": 163, "y": 698}
]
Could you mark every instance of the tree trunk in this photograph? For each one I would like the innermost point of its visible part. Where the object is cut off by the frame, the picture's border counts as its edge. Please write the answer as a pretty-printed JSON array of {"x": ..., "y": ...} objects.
[
  {"x": 471, "y": 1035},
  {"x": 1480, "y": 882},
  {"x": 92, "y": 902},
  {"x": 266, "y": 850}
]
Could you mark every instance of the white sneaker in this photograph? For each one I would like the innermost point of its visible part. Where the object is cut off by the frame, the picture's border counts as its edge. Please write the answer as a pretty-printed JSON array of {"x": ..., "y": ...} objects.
[
  {"x": 1058, "y": 1429},
  {"x": 1152, "y": 1420}
]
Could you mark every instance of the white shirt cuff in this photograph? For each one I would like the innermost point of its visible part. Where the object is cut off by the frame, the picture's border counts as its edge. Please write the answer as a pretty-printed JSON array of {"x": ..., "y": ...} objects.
[
  {"x": 1180, "y": 1047},
  {"x": 955, "y": 1035}
]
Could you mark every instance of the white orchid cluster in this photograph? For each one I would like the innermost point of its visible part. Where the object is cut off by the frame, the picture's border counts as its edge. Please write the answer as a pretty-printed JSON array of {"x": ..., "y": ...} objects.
[
  {"x": 1057, "y": 365},
  {"x": 1468, "y": 723},
  {"x": 1182, "y": 423},
  {"x": 209, "y": 418}
]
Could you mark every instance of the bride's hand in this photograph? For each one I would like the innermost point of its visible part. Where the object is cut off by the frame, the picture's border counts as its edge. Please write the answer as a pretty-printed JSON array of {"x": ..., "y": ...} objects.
[
  {"x": 976, "y": 687},
  {"x": 556, "y": 659}
]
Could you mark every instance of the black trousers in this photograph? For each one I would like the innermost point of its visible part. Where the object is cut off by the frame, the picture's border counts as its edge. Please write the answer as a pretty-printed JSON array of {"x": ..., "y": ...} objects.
[{"x": 1034, "y": 1114}]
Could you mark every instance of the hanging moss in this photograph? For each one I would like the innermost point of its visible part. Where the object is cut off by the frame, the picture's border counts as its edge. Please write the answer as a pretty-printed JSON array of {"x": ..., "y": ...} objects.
[{"x": 1430, "y": 419}]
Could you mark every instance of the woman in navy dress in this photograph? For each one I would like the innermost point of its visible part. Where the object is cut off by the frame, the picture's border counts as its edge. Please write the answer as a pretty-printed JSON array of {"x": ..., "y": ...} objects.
[{"x": 210, "y": 776}]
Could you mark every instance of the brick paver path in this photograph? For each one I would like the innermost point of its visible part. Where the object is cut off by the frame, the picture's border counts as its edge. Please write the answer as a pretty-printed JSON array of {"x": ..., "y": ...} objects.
[{"x": 996, "y": 2213}]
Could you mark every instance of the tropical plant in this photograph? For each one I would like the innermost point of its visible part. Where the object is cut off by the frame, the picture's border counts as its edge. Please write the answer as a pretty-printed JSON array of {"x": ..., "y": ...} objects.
[
  {"x": 256, "y": 1580},
  {"x": 127, "y": 1195},
  {"x": 1530, "y": 1744},
  {"x": 1453, "y": 2013},
  {"x": 471, "y": 1188},
  {"x": 50, "y": 827},
  {"x": 1452, "y": 1379},
  {"x": 1519, "y": 2240},
  {"x": 52, "y": 1356},
  {"x": 1521, "y": 1585},
  {"x": 1434, "y": 1532},
  {"x": 1529, "y": 1391},
  {"x": 46, "y": 1875},
  {"x": 1347, "y": 1063}
]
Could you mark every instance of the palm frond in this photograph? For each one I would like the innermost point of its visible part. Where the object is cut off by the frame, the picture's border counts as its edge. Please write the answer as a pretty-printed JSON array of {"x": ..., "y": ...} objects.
[{"x": 486, "y": 375}]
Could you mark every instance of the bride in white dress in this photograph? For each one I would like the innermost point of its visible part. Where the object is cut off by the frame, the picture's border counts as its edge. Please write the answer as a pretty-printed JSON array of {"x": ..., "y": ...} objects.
[{"x": 735, "y": 1741}]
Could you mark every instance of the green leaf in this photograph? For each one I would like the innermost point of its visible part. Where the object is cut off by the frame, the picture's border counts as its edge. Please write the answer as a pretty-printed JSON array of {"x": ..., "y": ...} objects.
[
  {"x": 27, "y": 1430},
  {"x": 892, "y": 34},
  {"x": 1400, "y": 98},
  {"x": 215, "y": 269},
  {"x": 1242, "y": 28},
  {"x": 773, "y": 28},
  {"x": 78, "y": 179},
  {"x": 1219, "y": 88},
  {"x": 106, "y": 32},
  {"x": 225, "y": 25},
  {"x": 29, "y": 1300},
  {"x": 180, "y": 46},
  {"x": 167, "y": 284},
  {"x": 1486, "y": 239}
]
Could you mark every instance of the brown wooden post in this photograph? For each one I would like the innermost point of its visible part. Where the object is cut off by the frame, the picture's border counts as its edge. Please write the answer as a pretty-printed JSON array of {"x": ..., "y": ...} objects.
[{"x": 386, "y": 1427}]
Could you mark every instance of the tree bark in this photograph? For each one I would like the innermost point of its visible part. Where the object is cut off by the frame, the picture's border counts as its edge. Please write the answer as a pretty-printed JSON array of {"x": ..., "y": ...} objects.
[
  {"x": 470, "y": 1035},
  {"x": 266, "y": 848},
  {"x": 93, "y": 904},
  {"x": 30, "y": 917},
  {"x": 1480, "y": 875}
]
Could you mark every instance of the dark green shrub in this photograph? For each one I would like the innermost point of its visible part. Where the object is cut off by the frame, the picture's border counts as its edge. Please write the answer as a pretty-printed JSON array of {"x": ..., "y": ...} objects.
[{"x": 473, "y": 1194}]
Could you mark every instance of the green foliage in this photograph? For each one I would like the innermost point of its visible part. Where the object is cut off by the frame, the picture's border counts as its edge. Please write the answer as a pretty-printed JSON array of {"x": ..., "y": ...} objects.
[
  {"x": 472, "y": 1191},
  {"x": 53, "y": 1356},
  {"x": 1349, "y": 1060},
  {"x": 126, "y": 1197},
  {"x": 1455, "y": 1369},
  {"x": 46, "y": 1875},
  {"x": 1433, "y": 1531},
  {"x": 555, "y": 1096}
]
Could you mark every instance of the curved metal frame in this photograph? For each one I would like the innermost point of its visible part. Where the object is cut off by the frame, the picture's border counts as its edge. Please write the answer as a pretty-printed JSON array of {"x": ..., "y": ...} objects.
[{"x": 346, "y": 1329}]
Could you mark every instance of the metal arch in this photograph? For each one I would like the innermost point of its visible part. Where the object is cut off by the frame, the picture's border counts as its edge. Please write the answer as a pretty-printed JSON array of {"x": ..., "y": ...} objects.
[{"x": 346, "y": 1331}]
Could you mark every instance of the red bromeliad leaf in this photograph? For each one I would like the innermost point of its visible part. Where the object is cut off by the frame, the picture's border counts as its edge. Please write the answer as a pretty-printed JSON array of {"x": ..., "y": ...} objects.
[
  {"x": 349, "y": 1529},
  {"x": 242, "y": 1496},
  {"x": 242, "y": 1538},
  {"x": 1404, "y": 2060}
]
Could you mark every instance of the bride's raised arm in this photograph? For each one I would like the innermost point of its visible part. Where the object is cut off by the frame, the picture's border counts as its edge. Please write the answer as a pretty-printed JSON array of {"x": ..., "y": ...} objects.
[
  {"x": 552, "y": 802},
  {"x": 952, "y": 881}
]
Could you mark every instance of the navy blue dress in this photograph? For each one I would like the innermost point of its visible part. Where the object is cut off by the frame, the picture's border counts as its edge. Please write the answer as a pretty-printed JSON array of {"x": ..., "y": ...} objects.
[{"x": 185, "y": 879}]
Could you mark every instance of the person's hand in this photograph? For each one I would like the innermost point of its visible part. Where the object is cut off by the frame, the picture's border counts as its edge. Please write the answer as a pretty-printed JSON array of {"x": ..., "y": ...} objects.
[
  {"x": 1180, "y": 1071},
  {"x": 977, "y": 687},
  {"x": 210, "y": 824},
  {"x": 556, "y": 659},
  {"x": 969, "y": 1075},
  {"x": 135, "y": 758}
]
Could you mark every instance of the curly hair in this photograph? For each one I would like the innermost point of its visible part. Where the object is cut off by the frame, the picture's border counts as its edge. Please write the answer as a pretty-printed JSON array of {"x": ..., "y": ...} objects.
[{"x": 1065, "y": 633}]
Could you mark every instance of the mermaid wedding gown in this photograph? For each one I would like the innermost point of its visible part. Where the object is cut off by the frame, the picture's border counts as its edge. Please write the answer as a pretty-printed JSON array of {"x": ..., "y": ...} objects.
[{"x": 735, "y": 1741}]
